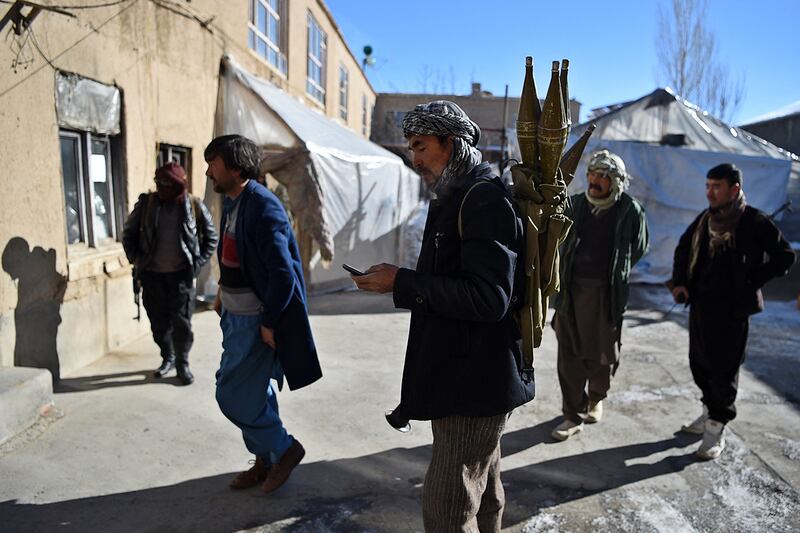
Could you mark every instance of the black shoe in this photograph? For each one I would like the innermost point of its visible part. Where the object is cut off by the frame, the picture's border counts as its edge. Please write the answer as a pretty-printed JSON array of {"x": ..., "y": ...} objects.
[
  {"x": 184, "y": 374},
  {"x": 166, "y": 366}
]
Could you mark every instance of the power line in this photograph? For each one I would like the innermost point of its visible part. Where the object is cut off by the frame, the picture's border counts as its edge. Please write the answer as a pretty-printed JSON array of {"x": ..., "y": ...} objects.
[
  {"x": 73, "y": 45},
  {"x": 93, "y": 6},
  {"x": 39, "y": 48}
]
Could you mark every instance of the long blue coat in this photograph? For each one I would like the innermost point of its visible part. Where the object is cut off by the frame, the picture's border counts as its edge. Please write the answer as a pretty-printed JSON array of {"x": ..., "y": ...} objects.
[{"x": 271, "y": 264}]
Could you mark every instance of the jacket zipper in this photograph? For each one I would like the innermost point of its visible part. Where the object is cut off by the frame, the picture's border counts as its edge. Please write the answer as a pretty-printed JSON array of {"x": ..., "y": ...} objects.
[{"x": 436, "y": 238}]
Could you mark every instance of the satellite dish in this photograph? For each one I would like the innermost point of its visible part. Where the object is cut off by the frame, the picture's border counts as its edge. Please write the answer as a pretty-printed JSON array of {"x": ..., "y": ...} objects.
[{"x": 368, "y": 59}]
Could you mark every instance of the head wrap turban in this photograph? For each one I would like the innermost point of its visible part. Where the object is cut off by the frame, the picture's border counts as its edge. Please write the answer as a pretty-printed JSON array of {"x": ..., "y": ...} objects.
[
  {"x": 611, "y": 165},
  {"x": 445, "y": 118},
  {"x": 171, "y": 182}
]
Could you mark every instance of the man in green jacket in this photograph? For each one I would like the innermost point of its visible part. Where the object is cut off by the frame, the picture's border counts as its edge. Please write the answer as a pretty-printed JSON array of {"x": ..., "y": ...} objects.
[{"x": 609, "y": 235}]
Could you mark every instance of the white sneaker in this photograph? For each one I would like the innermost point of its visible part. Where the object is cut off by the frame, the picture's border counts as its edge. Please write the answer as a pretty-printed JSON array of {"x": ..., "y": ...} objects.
[
  {"x": 595, "y": 413},
  {"x": 698, "y": 426},
  {"x": 713, "y": 440},
  {"x": 566, "y": 429}
]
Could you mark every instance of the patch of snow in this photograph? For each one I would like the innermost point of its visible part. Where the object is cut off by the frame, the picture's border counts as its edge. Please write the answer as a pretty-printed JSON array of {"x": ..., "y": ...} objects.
[
  {"x": 755, "y": 501},
  {"x": 790, "y": 448},
  {"x": 658, "y": 513},
  {"x": 541, "y": 523},
  {"x": 637, "y": 394}
]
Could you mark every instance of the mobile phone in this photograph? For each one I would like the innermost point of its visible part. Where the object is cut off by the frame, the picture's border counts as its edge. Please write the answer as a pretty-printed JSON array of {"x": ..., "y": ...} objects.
[{"x": 353, "y": 270}]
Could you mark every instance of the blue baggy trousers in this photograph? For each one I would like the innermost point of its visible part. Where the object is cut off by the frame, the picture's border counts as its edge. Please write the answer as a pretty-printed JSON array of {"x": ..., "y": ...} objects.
[{"x": 244, "y": 391}]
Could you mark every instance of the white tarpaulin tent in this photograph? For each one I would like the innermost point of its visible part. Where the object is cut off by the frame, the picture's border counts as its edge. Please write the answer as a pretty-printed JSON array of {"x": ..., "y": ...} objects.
[
  {"x": 350, "y": 197},
  {"x": 668, "y": 146}
]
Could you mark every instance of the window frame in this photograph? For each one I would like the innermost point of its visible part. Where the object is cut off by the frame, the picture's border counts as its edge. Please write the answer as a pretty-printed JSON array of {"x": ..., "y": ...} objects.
[
  {"x": 316, "y": 88},
  {"x": 175, "y": 148},
  {"x": 86, "y": 192},
  {"x": 344, "y": 92},
  {"x": 364, "y": 107},
  {"x": 254, "y": 34}
]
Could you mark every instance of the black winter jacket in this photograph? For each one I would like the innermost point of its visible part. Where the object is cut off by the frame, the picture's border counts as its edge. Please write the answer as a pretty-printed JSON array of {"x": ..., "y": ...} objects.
[
  {"x": 464, "y": 345},
  {"x": 198, "y": 238},
  {"x": 756, "y": 236}
]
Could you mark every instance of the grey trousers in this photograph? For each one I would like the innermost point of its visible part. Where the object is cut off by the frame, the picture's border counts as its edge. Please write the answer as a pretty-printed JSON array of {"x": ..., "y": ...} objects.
[{"x": 462, "y": 491}]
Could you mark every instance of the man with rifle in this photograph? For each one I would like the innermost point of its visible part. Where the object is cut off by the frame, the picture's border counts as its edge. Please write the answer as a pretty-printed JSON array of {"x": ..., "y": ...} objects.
[{"x": 168, "y": 237}]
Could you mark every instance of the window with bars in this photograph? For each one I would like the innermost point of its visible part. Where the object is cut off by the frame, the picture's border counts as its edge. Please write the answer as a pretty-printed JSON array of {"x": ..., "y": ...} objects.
[
  {"x": 267, "y": 31},
  {"x": 92, "y": 194},
  {"x": 179, "y": 154},
  {"x": 317, "y": 52},
  {"x": 343, "y": 91}
]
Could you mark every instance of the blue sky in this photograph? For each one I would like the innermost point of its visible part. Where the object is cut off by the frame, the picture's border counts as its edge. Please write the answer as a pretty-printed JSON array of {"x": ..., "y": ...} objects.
[{"x": 611, "y": 45}]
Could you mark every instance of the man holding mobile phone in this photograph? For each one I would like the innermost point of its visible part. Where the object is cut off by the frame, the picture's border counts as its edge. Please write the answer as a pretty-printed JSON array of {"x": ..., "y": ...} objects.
[{"x": 463, "y": 367}]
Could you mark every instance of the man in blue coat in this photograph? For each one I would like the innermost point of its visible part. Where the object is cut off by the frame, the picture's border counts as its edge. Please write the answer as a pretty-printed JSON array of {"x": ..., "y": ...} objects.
[{"x": 261, "y": 302}]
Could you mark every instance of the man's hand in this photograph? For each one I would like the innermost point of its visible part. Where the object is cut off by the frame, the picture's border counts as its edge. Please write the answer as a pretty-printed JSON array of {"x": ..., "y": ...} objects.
[
  {"x": 378, "y": 278},
  {"x": 680, "y": 294},
  {"x": 218, "y": 304},
  {"x": 268, "y": 336}
]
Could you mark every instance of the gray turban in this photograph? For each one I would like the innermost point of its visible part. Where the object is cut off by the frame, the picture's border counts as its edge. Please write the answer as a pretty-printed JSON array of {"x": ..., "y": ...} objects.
[
  {"x": 445, "y": 118},
  {"x": 441, "y": 118}
]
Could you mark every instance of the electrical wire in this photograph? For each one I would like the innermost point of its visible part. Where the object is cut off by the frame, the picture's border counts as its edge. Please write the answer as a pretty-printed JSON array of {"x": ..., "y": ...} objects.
[
  {"x": 93, "y": 6},
  {"x": 70, "y": 47},
  {"x": 39, "y": 48}
]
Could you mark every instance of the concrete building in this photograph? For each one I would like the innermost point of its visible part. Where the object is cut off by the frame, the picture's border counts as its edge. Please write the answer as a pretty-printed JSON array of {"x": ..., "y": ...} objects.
[
  {"x": 91, "y": 101},
  {"x": 782, "y": 128},
  {"x": 482, "y": 106}
]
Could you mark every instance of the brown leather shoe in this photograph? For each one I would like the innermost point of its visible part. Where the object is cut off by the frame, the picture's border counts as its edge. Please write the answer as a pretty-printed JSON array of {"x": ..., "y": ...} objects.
[
  {"x": 281, "y": 470},
  {"x": 252, "y": 477}
]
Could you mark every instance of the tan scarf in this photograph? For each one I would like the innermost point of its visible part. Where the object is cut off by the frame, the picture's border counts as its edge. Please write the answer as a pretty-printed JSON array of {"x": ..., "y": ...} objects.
[{"x": 720, "y": 223}]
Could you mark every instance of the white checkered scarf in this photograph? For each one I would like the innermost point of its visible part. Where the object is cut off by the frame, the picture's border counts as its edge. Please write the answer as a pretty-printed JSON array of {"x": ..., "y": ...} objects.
[
  {"x": 440, "y": 118},
  {"x": 611, "y": 165}
]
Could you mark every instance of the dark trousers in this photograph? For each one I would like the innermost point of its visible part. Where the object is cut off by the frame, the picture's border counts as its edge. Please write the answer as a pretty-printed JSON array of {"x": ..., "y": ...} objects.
[
  {"x": 169, "y": 301},
  {"x": 462, "y": 491},
  {"x": 717, "y": 343}
]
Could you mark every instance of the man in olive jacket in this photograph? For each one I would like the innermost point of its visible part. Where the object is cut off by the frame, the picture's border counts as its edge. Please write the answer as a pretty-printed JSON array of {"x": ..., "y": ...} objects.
[
  {"x": 463, "y": 367},
  {"x": 722, "y": 260},
  {"x": 608, "y": 237}
]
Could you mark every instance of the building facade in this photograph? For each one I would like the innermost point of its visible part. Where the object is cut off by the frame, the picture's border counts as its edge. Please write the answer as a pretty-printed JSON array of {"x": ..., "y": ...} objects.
[
  {"x": 92, "y": 100},
  {"x": 482, "y": 106}
]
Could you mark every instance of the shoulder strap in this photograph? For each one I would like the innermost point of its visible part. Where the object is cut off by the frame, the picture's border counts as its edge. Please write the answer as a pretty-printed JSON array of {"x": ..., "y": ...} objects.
[
  {"x": 145, "y": 212},
  {"x": 463, "y": 200},
  {"x": 193, "y": 200}
]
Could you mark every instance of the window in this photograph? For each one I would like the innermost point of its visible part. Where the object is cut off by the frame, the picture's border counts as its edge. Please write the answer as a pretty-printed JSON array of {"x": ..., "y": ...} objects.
[
  {"x": 267, "y": 31},
  {"x": 92, "y": 204},
  {"x": 180, "y": 154},
  {"x": 317, "y": 52},
  {"x": 364, "y": 120},
  {"x": 343, "y": 86}
]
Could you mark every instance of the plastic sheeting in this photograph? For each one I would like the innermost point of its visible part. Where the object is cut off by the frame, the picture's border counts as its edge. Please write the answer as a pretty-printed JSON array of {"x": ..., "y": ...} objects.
[
  {"x": 352, "y": 196},
  {"x": 87, "y": 105},
  {"x": 670, "y": 180}
]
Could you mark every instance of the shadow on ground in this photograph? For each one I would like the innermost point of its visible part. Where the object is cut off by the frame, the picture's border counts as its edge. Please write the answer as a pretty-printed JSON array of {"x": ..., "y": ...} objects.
[
  {"x": 109, "y": 381},
  {"x": 378, "y": 492}
]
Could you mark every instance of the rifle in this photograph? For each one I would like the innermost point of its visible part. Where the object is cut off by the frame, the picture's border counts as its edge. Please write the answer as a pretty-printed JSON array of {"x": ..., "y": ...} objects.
[
  {"x": 137, "y": 289},
  {"x": 785, "y": 207}
]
